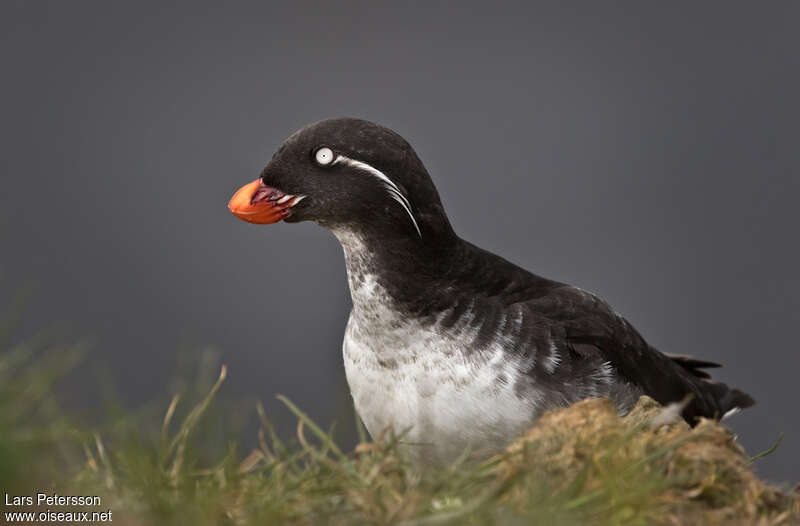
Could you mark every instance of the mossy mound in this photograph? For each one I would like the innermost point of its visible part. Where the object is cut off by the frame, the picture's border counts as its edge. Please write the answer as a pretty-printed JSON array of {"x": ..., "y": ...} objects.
[{"x": 650, "y": 464}]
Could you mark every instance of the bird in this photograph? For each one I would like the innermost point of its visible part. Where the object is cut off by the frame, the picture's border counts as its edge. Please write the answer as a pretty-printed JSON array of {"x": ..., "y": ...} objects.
[{"x": 451, "y": 346}]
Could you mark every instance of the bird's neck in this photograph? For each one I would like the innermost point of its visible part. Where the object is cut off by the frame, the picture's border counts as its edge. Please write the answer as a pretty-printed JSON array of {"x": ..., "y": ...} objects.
[{"x": 401, "y": 272}]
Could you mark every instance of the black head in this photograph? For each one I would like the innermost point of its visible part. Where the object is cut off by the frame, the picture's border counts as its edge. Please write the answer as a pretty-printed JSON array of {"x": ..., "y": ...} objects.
[{"x": 346, "y": 174}]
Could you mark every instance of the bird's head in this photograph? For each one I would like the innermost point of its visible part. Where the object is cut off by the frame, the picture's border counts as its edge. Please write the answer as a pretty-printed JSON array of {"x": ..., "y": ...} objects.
[{"x": 345, "y": 174}]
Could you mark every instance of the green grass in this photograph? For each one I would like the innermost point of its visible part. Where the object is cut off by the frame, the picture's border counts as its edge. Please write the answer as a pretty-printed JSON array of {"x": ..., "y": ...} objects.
[{"x": 580, "y": 465}]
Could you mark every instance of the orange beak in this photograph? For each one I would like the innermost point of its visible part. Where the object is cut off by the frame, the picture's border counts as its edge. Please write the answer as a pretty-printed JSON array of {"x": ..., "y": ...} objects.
[{"x": 261, "y": 204}]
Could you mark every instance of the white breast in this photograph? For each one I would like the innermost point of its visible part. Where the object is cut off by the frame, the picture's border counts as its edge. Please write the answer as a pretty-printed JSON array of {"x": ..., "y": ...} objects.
[{"x": 423, "y": 381}]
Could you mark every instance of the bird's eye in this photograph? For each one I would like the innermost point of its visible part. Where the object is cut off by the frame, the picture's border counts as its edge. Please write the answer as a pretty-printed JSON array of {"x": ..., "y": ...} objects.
[{"x": 323, "y": 156}]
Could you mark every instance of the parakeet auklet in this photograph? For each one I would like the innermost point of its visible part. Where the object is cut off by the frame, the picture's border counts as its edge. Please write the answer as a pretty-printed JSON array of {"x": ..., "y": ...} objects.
[{"x": 448, "y": 342}]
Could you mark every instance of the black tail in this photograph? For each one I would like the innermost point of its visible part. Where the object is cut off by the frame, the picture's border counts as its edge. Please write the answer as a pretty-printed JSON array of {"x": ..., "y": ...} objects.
[
  {"x": 717, "y": 395},
  {"x": 694, "y": 365}
]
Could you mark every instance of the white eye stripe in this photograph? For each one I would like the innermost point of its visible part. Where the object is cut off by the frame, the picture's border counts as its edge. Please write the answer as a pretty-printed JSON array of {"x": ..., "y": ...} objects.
[
  {"x": 392, "y": 188},
  {"x": 323, "y": 156}
]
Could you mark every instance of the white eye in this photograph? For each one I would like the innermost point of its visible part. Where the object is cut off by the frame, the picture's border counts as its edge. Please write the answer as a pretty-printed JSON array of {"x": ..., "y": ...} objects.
[{"x": 324, "y": 156}]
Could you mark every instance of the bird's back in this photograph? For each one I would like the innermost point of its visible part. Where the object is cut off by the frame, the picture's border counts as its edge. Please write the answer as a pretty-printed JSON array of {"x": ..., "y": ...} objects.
[{"x": 573, "y": 336}]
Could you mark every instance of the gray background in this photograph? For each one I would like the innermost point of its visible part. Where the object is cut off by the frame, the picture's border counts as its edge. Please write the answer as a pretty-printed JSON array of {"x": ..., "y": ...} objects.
[{"x": 645, "y": 151}]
